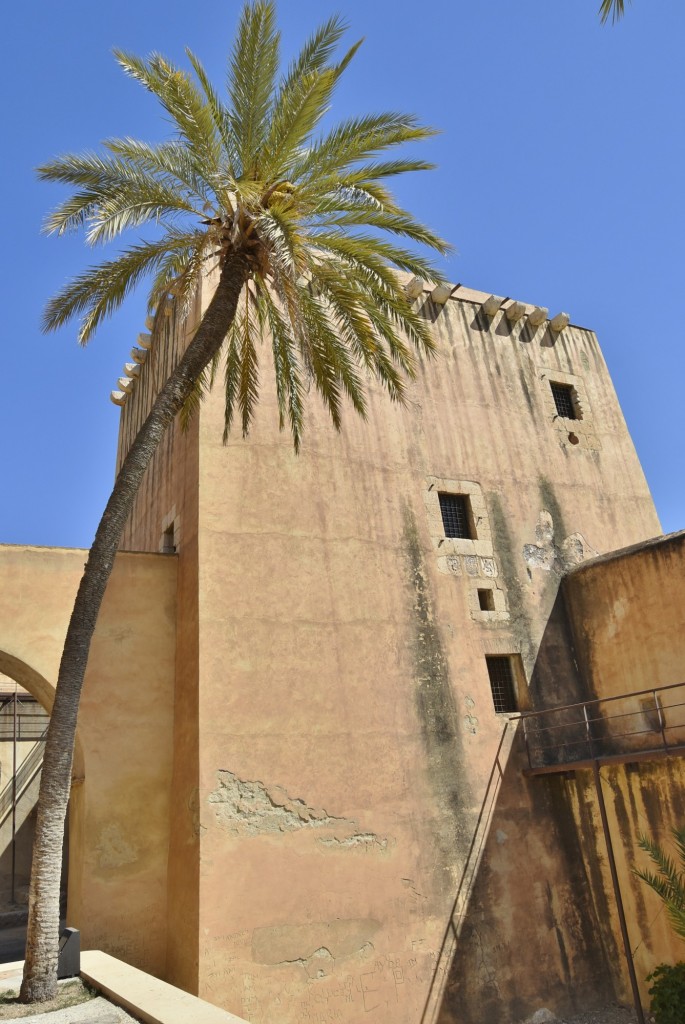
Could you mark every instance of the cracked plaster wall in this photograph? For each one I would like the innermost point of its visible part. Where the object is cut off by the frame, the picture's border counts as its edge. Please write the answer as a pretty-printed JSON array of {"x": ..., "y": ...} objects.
[{"x": 344, "y": 731}]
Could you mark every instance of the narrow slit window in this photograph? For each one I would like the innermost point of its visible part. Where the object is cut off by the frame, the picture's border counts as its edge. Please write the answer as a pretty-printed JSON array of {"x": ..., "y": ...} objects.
[
  {"x": 169, "y": 541},
  {"x": 486, "y": 600},
  {"x": 501, "y": 674},
  {"x": 457, "y": 519},
  {"x": 566, "y": 400}
]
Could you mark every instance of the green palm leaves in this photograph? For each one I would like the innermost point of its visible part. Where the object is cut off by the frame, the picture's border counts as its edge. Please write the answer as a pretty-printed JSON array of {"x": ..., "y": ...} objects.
[
  {"x": 669, "y": 882},
  {"x": 614, "y": 9},
  {"x": 257, "y": 175}
]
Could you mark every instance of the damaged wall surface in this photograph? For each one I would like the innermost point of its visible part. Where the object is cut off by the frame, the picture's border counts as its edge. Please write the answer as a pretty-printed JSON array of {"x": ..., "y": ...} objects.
[
  {"x": 338, "y": 714},
  {"x": 627, "y": 611},
  {"x": 350, "y": 834}
]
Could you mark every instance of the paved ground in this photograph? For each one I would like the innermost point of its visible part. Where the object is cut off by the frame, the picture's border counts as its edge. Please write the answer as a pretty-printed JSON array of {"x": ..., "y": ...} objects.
[{"x": 95, "y": 1011}]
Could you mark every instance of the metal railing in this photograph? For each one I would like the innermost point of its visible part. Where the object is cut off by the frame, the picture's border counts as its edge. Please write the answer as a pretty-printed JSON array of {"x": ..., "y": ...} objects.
[
  {"x": 26, "y": 773},
  {"x": 27, "y": 725},
  {"x": 632, "y": 726}
]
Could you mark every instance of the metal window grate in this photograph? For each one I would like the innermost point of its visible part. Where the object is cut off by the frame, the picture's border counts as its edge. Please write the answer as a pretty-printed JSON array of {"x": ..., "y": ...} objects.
[
  {"x": 564, "y": 400},
  {"x": 456, "y": 516},
  {"x": 502, "y": 684}
]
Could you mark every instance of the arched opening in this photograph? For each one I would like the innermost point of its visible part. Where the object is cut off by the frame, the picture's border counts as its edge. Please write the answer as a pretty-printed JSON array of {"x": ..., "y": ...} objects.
[{"x": 25, "y": 702}]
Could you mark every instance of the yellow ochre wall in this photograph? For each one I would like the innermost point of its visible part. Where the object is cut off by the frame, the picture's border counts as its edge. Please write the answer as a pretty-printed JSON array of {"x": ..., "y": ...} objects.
[
  {"x": 628, "y": 615},
  {"x": 121, "y": 792},
  {"x": 334, "y": 728}
]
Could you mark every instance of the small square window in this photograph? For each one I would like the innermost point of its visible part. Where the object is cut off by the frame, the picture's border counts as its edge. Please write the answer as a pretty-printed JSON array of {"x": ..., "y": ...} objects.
[
  {"x": 169, "y": 541},
  {"x": 486, "y": 600},
  {"x": 501, "y": 672},
  {"x": 566, "y": 400},
  {"x": 457, "y": 518}
]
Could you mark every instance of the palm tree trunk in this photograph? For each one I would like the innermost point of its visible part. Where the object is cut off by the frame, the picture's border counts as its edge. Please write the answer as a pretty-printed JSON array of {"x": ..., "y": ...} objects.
[{"x": 42, "y": 943}]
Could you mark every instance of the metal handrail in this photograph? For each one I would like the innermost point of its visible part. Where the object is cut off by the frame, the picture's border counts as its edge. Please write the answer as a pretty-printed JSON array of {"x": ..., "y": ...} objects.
[
  {"x": 26, "y": 773},
  {"x": 599, "y": 700},
  {"x": 544, "y": 739}
]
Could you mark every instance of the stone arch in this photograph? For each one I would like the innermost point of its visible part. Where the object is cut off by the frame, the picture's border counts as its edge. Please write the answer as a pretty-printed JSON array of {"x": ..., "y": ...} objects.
[{"x": 44, "y": 692}]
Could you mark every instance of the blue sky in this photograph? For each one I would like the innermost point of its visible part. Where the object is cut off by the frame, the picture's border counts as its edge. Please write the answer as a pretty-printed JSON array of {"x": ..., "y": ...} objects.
[{"x": 560, "y": 182}]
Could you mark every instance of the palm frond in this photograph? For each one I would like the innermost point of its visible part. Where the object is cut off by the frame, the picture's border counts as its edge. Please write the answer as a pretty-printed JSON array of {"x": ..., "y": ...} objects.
[
  {"x": 377, "y": 254},
  {"x": 299, "y": 107},
  {"x": 201, "y": 387},
  {"x": 184, "y": 104},
  {"x": 241, "y": 374},
  {"x": 116, "y": 195},
  {"x": 322, "y": 230},
  {"x": 614, "y": 9},
  {"x": 178, "y": 275},
  {"x": 669, "y": 883},
  {"x": 356, "y": 139},
  {"x": 170, "y": 161},
  {"x": 251, "y": 81},
  {"x": 100, "y": 290},
  {"x": 218, "y": 112},
  {"x": 290, "y": 391}
]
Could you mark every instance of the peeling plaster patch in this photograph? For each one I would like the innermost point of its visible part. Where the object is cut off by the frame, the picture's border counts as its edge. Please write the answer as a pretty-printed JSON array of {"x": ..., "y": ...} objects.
[
  {"x": 537, "y": 557},
  {"x": 416, "y": 895},
  {"x": 617, "y": 614},
  {"x": 314, "y": 946},
  {"x": 360, "y": 840},
  {"x": 319, "y": 965},
  {"x": 544, "y": 529},
  {"x": 470, "y": 719},
  {"x": 114, "y": 849},
  {"x": 471, "y": 723},
  {"x": 549, "y": 556},
  {"x": 245, "y": 808}
]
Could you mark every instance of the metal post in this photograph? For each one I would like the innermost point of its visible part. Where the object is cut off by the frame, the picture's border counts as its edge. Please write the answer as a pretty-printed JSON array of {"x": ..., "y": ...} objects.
[
  {"x": 14, "y": 792},
  {"x": 617, "y": 895},
  {"x": 662, "y": 720},
  {"x": 588, "y": 730},
  {"x": 525, "y": 737}
]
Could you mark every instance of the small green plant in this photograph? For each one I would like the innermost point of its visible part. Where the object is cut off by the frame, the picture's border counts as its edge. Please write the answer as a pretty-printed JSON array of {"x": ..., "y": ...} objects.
[
  {"x": 668, "y": 993},
  {"x": 669, "y": 883}
]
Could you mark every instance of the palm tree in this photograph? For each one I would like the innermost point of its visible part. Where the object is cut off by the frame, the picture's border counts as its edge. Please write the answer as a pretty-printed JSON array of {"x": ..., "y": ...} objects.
[
  {"x": 669, "y": 883},
  {"x": 304, "y": 239},
  {"x": 614, "y": 9}
]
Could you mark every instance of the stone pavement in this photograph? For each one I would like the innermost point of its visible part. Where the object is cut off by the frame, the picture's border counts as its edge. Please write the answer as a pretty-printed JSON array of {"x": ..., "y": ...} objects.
[
  {"x": 95, "y": 1011},
  {"x": 147, "y": 998}
]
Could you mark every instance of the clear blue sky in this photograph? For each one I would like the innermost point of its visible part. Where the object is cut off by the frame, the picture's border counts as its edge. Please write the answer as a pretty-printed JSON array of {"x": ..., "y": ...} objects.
[{"x": 560, "y": 183}]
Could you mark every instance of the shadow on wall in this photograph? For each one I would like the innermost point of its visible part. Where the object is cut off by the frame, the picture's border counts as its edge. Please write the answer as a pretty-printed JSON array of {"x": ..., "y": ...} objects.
[{"x": 523, "y": 932}]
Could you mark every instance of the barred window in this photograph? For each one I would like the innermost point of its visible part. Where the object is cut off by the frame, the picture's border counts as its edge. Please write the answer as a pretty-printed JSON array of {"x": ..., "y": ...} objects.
[
  {"x": 501, "y": 674},
  {"x": 566, "y": 400},
  {"x": 457, "y": 518}
]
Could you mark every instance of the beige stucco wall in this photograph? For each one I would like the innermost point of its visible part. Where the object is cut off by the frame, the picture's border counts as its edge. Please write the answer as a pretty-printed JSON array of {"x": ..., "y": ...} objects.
[
  {"x": 121, "y": 795},
  {"x": 340, "y": 726},
  {"x": 342, "y": 678},
  {"x": 628, "y": 614}
]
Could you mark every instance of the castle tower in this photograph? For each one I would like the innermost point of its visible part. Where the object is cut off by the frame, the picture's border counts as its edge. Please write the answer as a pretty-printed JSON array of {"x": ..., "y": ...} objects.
[{"x": 355, "y": 627}]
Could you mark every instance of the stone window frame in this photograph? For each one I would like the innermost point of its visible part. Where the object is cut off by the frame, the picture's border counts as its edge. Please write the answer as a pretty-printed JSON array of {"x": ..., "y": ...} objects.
[
  {"x": 572, "y": 380},
  {"x": 171, "y": 519},
  {"x": 504, "y": 648},
  {"x": 482, "y": 544},
  {"x": 573, "y": 433},
  {"x": 499, "y": 613}
]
